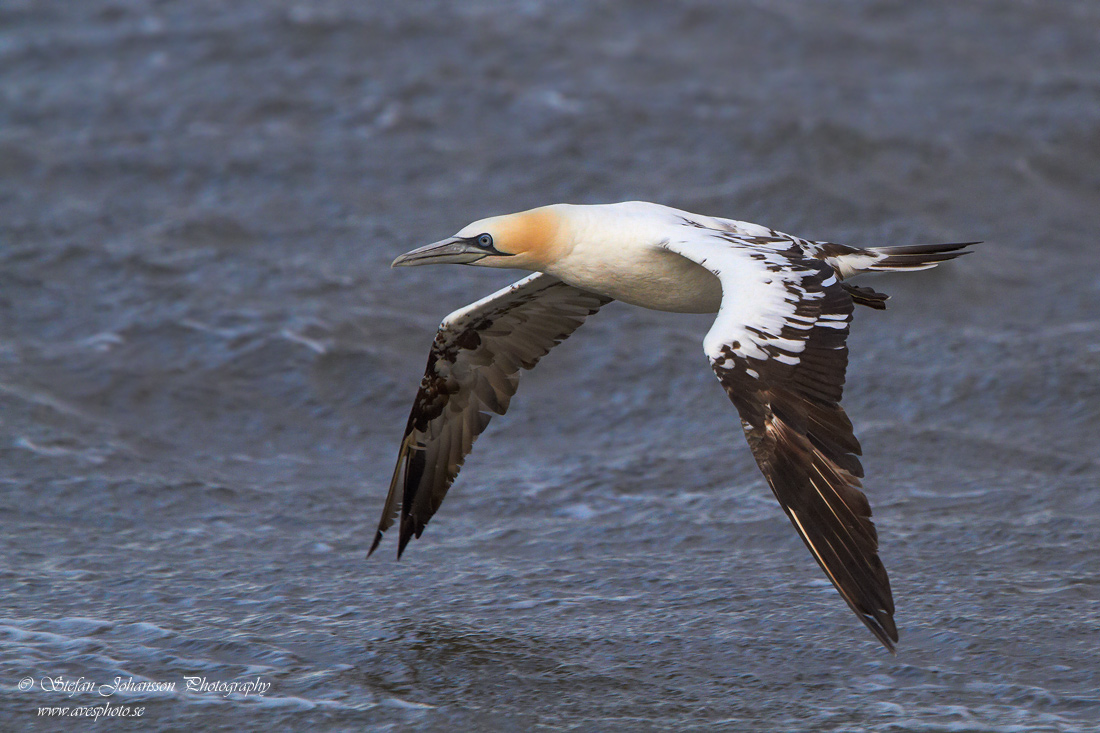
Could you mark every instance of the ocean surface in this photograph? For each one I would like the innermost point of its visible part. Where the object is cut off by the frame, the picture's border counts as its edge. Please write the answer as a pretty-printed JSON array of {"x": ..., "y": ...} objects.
[{"x": 206, "y": 365}]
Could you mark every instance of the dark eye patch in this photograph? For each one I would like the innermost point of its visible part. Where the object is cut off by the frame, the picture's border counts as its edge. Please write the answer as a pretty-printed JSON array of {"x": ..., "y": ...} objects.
[{"x": 484, "y": 242}]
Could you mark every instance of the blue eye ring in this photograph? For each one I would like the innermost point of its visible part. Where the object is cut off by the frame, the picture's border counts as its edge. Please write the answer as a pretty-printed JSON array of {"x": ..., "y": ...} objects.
[{"x": 485, "y": 241}]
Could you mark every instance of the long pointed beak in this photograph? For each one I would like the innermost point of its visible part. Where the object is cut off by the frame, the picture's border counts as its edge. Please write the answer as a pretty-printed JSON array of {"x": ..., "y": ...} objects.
[{"x": 453, "y": 251}]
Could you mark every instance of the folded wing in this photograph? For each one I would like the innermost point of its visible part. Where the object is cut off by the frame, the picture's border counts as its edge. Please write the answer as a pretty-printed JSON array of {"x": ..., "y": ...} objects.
[
  {"x": 778, "y": 348},
  {"x": 473, "y": 370}
]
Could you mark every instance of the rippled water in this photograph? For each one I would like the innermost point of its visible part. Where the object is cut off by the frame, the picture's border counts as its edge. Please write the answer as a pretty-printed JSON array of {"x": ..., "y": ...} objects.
[{"x": 206, "y": 365}]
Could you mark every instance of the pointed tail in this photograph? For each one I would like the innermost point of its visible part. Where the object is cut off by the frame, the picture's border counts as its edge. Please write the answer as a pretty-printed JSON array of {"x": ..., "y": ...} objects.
[
  {"x": 914, "y": 257},
  {"x": 851, "y": 261}
]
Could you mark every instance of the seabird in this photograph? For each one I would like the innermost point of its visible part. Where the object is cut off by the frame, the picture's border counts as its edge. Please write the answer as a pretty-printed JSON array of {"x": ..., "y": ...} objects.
[{"x": 777, "y": 346}]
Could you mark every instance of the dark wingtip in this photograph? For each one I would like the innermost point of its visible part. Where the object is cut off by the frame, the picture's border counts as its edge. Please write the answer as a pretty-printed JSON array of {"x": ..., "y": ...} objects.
[
  {"x": 883, "y": 627},
  {"x": 374, "y": 545},
  {"x": 410, "y": 527},
  {"x": 402, "y": 542}
]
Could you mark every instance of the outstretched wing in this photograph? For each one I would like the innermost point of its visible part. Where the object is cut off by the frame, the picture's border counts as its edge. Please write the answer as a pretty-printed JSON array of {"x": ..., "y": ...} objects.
[
  {"x": 778, "y": 348},
  {"x": 473, "y": 368}
]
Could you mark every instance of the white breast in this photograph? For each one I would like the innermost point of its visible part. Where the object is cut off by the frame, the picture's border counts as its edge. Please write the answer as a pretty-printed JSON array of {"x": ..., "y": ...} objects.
[{"x": 619, "y": 254}]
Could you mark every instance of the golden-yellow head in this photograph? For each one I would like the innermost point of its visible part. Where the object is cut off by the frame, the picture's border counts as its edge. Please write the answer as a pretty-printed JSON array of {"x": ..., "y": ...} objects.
[{"x": 527, "y": 240}]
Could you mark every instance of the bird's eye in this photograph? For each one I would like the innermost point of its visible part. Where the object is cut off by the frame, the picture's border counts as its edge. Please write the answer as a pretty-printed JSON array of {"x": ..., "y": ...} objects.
[{"x": 485, "y": 240}]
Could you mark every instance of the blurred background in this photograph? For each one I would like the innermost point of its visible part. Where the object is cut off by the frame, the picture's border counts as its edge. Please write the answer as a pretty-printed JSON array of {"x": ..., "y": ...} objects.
[{"x": 206, "y": 363}]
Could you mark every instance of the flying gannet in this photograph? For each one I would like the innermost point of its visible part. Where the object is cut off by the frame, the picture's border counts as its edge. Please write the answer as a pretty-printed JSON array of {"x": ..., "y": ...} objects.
[{"x": 777, "y": 346}]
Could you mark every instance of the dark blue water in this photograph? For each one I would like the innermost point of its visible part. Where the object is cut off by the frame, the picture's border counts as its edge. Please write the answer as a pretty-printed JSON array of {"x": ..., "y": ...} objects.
[{"x": 206, "y": 365}]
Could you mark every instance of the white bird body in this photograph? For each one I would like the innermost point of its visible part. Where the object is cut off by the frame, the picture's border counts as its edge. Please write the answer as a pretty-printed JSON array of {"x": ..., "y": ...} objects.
[
  {"x": 777, "y": 346},
  {"x": 641, "y": 274},
  {"x": 615, "y": 250}
]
